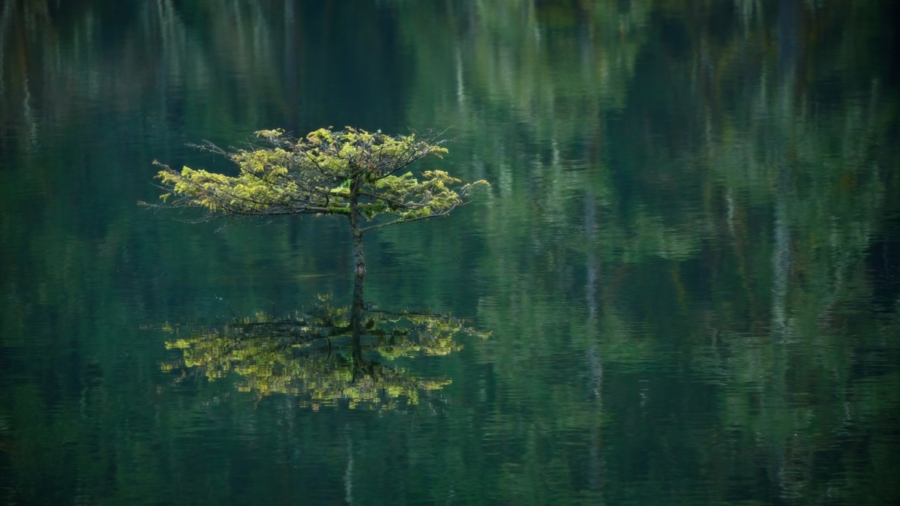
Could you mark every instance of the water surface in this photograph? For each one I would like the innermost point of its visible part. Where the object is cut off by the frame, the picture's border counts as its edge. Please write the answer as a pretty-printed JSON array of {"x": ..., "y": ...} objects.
[{"x": 687, "y": 259}]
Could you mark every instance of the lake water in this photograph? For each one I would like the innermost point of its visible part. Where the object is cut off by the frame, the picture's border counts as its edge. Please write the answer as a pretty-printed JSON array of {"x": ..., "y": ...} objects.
[{"x": 687, "y": 259}]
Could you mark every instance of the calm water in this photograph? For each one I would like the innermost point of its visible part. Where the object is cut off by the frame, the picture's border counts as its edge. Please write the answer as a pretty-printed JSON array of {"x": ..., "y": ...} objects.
[{"x": 687, "y": 260}]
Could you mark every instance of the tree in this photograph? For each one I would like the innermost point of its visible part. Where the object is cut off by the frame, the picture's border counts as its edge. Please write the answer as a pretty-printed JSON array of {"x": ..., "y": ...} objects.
[{"x": 352, "y": 173}]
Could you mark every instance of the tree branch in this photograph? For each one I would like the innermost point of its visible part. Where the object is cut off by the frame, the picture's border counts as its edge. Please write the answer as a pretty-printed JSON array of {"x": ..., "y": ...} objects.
[{"x": 410, "y": 220}]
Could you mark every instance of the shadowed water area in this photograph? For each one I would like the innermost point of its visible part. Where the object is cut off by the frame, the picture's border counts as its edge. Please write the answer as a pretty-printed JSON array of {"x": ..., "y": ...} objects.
[{"x": 687, "y": 260}]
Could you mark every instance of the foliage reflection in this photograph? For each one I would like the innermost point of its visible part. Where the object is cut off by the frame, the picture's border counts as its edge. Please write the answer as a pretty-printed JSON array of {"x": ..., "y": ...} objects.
[{"x": 322, "y": 356}]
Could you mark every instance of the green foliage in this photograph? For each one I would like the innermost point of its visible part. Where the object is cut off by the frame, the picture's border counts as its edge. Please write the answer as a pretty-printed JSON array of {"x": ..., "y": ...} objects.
[
  {"x": 327, "y": 172},
  {"x": 317, "y": 357}
]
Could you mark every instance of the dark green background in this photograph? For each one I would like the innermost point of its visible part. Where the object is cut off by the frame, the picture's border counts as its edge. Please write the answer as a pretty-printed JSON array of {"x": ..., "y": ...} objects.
[{"x": 688, "y": 256}]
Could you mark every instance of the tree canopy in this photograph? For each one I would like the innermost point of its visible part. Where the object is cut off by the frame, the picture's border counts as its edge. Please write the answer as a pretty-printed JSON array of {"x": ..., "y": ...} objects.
[{"x": 353, "y": 172}]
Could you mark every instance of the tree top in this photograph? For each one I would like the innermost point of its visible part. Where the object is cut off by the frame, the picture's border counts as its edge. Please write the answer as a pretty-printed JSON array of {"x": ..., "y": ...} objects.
[{"x": 347, "y": 172}]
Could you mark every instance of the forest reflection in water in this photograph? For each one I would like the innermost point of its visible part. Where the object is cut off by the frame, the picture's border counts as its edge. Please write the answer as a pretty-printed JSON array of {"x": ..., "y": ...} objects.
[
  {"x": 689, "y": 245},
  {"x": 323, "y": 356}
]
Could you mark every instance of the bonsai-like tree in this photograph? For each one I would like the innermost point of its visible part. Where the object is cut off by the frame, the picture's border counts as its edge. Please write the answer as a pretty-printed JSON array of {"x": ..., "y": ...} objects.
[{"x": 352, "y": 173}]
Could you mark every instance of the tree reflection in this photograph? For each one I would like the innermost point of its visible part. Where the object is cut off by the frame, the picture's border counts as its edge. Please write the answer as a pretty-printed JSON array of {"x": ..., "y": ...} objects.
[{"x": 325, "y": 356}]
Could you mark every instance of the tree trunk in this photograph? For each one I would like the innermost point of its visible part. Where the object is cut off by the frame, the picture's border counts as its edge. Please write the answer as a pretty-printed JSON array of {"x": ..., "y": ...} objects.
[
  {"x": 356, "y": 309},
  {"x": 358, "y": 260},
  {"x": 358, "y": 305},
  {"x": 355, "y": 230}
]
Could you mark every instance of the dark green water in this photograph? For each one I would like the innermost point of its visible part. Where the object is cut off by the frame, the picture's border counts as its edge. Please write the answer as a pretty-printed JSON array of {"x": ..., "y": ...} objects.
[{"x": 688, "y": 257}]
